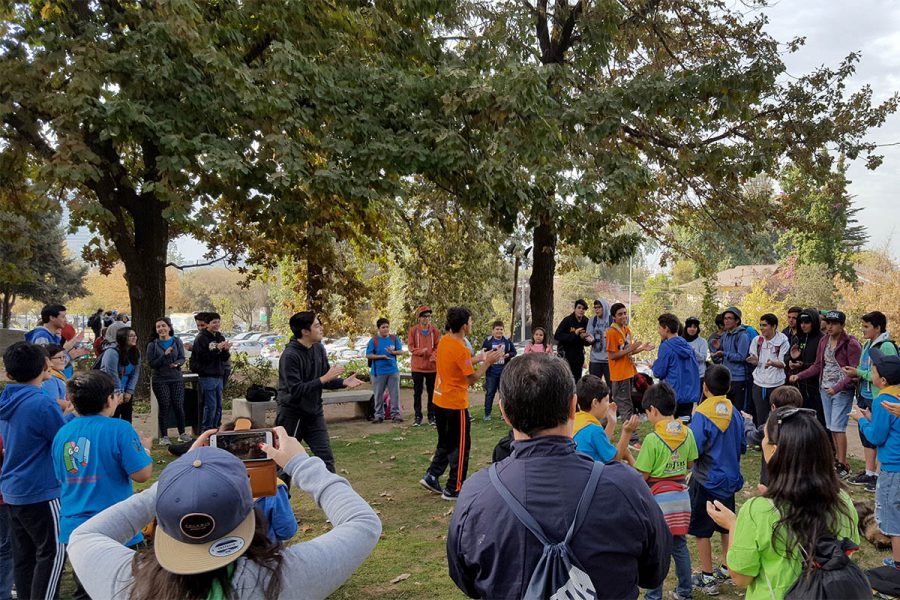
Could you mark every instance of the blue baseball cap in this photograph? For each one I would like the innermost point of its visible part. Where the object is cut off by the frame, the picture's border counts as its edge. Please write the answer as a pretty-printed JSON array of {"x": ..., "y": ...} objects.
[
  {"x": 204, "y": 512},
  {"x": 888, "y": 365}
]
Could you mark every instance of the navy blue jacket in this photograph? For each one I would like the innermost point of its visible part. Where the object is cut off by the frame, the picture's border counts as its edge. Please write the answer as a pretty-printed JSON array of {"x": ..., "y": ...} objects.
[
  {"x": 496, "y": 369},
  {"x": 623, "y": 543}
]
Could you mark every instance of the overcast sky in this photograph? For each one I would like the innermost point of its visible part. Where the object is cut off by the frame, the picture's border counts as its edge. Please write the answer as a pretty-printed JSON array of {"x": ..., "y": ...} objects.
[{"x": 833, "y": 29}]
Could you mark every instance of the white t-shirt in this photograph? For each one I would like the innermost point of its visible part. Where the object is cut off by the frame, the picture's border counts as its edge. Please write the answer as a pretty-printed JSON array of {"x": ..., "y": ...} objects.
[{"x": 775, "y": 349}]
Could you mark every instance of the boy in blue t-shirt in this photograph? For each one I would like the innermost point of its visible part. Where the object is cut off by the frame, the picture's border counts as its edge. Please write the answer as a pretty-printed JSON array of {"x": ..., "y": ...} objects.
[
  {"x": 95, "y": 456},
  {"x": 718, "y": 429},
  {"x": 882, "y": 428},
  {"x": 666, "y": 456},
  {"x": 382, "y": 352},
  {"x": 497, "y": 341},
  {"x": 590, "y": 436},
  {"x": 29, "y": 419}
]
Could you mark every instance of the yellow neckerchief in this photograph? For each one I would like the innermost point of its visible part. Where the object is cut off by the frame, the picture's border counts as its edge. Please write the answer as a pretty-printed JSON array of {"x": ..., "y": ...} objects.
[
  {"x": 891, "y": 390},
  {"x": 58, "y": 375},
  {"x": 672, "y": 433},
  {"x": 717, "y": 409},
  {"x": 583, "y": 419}
]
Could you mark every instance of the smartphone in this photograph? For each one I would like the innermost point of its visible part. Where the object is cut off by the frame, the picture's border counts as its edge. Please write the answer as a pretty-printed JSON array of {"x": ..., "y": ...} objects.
[{"x": 246, "y": 445}]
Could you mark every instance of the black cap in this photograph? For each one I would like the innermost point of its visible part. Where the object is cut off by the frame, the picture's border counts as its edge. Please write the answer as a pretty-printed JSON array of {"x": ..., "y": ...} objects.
[
  {"x": 888, "y": 365},
  {"x": 835, "y": 316}
]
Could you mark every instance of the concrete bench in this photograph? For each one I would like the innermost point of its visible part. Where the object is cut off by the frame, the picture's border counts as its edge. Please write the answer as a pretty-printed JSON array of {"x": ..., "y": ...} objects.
[{"x": 256, "y": 411}]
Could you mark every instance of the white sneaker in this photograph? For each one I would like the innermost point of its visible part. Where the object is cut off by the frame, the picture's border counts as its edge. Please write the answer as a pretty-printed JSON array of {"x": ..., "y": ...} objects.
[
  {"x": 164, "y": 441},
  {"x": 185, "y": 437}
]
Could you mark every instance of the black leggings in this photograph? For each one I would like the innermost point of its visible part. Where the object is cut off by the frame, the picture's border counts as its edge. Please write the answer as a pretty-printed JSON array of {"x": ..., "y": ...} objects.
[{"x": 169, "y": 395}]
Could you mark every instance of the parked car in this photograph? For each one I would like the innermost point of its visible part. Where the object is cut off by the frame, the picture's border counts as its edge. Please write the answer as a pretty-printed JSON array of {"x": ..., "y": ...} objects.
[{"x": 248, "y": 347}]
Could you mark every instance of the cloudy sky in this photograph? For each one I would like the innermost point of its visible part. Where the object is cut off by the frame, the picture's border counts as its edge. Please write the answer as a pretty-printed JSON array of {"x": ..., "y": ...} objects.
[{"x": 833, "y": 29}]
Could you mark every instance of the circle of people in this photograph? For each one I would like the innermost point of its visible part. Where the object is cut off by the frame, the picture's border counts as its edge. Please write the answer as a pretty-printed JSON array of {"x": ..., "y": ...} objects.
[{"x": 584, "y": 517}]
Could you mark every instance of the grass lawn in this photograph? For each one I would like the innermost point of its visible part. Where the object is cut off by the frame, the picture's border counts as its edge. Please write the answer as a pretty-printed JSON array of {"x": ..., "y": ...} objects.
[{"x": 384, "y": 463}]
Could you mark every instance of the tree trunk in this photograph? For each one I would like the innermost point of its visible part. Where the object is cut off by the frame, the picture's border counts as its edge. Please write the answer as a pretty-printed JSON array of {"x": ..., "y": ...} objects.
[
  {"x": 144, "y": 257},
  {"x": 315, "y": 282},
  {"x": 9, "y": 299},
  {"x": 512, "y": 321},
  {"x": 542, "y": 272}
]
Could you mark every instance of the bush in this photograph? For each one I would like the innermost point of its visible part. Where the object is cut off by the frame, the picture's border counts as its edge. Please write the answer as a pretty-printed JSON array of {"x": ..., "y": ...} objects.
[{"x": 246, "y": 372}]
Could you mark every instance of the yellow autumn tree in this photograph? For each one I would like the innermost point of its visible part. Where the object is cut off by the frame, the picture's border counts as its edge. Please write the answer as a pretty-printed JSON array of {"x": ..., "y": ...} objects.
[
  {"x": 877, "y": 288},
  {"x": 757, "y": 302}
]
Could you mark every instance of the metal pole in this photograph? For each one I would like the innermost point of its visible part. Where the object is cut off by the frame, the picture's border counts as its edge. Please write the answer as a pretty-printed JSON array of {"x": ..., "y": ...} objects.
[
  {"x": 629, "y": 288},
  {"x": 523, "y": 310}
]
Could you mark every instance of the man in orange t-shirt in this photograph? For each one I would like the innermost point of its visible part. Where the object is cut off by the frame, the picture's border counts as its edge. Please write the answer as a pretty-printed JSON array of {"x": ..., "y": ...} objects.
[
  {"x": 620, "y": 348},
  {"x": 455, "y": 374}
]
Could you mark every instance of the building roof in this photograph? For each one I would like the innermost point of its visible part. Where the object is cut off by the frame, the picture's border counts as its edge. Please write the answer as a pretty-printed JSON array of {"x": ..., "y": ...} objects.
[{"x": 741, "y": 277}]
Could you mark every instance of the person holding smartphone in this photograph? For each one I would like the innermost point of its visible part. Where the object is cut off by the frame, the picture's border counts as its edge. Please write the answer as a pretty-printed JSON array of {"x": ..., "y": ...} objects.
[{"x": 211, "y": 542}]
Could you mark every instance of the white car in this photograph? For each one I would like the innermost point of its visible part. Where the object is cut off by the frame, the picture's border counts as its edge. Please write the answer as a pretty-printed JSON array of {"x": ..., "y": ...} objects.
[{"x": 248, "y": 347}]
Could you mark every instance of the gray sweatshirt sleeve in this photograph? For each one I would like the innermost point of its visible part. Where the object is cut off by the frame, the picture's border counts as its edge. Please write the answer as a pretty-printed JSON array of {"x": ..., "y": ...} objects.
[
  {"x": 312, "y": 569},
  {"x": 100, "y": 541},
  {"x": 333, "y": 557}
]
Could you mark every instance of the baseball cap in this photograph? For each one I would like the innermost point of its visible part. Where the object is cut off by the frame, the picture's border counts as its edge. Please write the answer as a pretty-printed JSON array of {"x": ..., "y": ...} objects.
[
  {"x": 888, "y": 365},
  {"x": 204, "y": 512},
  {"x": 423, "y": 310},
  {"x": 836, "y": 316},
  {"x": 691, "y": 321}
]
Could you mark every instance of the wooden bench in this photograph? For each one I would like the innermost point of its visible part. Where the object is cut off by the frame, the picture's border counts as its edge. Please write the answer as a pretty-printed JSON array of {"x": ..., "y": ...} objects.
[{"x": 256, "y": 411}]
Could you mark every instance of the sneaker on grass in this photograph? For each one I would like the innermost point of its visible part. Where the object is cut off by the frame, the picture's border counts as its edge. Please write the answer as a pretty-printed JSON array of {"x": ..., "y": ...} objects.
[
  {"x": 164, "y": 441},
  {"x": 861, "y": 479},
  {"x": 431, "y": 483},
  {"x": 185, "y": 437},
  {"x": 843, "y": 471},
  {"x": 449, "y": 494},
  {"x": 706, "y": 584},
  {"x": 871, "y": 486},
  {"x": 722, "y": 576}
]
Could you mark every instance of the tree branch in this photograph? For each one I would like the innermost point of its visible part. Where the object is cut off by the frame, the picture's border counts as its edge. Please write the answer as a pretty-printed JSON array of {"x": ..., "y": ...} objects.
[{"x": 206, "y": 264}]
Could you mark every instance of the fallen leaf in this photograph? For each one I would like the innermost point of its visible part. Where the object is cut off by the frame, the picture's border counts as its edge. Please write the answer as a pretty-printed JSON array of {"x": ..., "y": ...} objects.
[
  {"x": 345, "y": 471},
  {"x": 399, "y": 439},
  {"x": 399, "y": 578},
  {"x": 393, "y": 458}
]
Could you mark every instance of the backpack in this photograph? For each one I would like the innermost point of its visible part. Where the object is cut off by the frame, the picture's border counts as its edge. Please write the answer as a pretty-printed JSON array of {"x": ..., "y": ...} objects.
[
  {"x": 375, "y": 349},
  {"x": 557, "y": 573},
  {"x": 832, "y": 574},
  {"x": 883, "y": 342}
]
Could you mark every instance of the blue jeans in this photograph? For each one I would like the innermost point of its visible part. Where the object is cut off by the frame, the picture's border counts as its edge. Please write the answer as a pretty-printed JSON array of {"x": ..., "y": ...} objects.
[
  {"x": 211, "y": 390},
  {"x": 6, "y": 556},
  {"x": 491, "y": 385},
  {"x": 682, "y": 570}
]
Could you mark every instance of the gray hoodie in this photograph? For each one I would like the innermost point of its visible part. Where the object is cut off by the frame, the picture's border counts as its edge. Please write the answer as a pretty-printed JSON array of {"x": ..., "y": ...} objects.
[
  {"x": 310, "y": 569},
  {"x": 597, "y": 327}
]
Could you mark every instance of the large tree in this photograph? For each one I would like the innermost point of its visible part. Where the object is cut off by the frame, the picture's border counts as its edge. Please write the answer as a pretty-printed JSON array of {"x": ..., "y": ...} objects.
[
  {"x": 226, "y": 120},
  {"x": 34, "y": 261},
  {"x": 585, "y": 115}
]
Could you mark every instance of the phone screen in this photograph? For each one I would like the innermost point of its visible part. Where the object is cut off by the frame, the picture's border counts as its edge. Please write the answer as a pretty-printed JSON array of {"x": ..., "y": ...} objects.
[{"x": 246, "y": 445}]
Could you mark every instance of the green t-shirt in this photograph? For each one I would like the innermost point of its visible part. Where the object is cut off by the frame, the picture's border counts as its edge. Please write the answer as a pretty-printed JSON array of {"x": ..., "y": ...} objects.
[
  {"x": 752, "y": 554},
  {"x": 657, "y": 459}
]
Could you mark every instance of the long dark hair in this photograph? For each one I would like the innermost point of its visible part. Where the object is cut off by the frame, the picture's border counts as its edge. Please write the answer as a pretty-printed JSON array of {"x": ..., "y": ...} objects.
[
  {"x": 167, "y": 321},
  {"x": 803, "y": 484},
  {"x": 126, "y": 354},
  {"x": 151, "y": 581}
]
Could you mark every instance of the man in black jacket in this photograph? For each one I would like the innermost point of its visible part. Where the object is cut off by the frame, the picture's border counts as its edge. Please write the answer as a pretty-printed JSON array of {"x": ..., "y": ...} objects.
[
  {"x": 208, "y": 357},
  {"x": 623, "y": 543},
  {"x": 572, "y": 337},
  {"x": 303, "y": 372}
]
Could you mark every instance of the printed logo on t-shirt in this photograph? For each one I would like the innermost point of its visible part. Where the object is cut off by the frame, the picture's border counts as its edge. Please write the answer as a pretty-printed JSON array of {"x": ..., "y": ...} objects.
[{"x": 76, "y": 454}]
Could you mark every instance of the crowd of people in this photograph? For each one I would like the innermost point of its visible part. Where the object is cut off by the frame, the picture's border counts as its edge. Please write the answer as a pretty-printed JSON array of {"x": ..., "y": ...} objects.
[{"x": 584, "y": 515}]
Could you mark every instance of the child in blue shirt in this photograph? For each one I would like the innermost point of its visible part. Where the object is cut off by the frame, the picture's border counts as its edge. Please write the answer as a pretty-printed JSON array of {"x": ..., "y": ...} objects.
[
  {"x": 492, "y": 378},
  {"x": 95, "y": 456},
  {"x": 590, "y": 436},
  {"x": 382, "y": 352},
  {"x": 29, "y": 419},
  {"x": 718, "y": 430},
  {"x": 883, "y": 429}
]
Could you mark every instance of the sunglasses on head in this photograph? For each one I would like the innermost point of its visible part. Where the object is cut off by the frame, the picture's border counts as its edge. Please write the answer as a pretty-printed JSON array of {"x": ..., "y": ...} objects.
[{"x": 790, "y": 412}]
